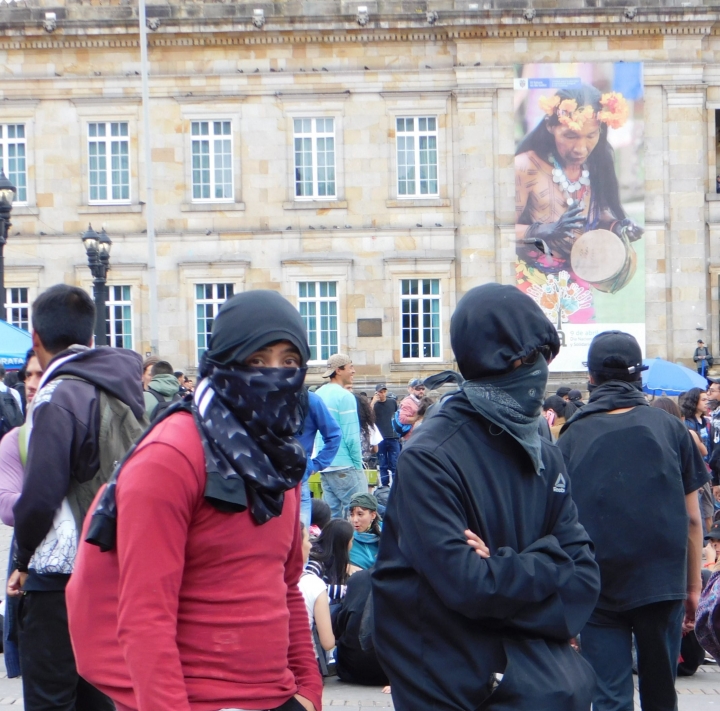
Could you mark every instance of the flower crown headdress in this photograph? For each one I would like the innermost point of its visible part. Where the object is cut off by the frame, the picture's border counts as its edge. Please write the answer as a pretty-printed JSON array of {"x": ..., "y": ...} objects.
[{"x": 614, "y": 111}]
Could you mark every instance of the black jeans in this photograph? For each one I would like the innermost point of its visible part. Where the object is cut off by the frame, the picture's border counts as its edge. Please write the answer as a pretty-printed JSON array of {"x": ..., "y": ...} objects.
[
  {"x": 49, "y": 675},
  {"x": 606, "y": 643}
]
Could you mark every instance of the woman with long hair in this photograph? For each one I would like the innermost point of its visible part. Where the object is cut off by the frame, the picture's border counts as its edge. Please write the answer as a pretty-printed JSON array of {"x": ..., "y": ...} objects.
[
  {"x": 693, "y": 405},
  {"x": 366, "y": 523},
  {"x": 330, "y": 556},
  {"x": 565, "y": 185}
]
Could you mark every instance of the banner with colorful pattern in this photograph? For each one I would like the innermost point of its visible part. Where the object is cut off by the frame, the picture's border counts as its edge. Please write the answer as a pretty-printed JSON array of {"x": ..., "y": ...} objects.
[{"x": 580, "y": 199}]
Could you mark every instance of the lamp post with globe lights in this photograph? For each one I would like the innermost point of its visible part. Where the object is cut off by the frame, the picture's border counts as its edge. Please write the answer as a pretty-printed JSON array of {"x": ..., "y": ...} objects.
[
  {"x": 7, "y": 195},
  {"x": 97, "y": 247}
]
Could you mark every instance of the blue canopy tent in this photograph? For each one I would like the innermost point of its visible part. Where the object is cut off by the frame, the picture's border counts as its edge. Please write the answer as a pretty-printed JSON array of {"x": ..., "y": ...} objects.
[
  {"x": 14, "y": 344},
  {"x": 665, "y": 378}
]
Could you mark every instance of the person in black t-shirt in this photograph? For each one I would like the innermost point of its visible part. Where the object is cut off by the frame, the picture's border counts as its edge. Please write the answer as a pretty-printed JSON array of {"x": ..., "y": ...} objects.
[
  {"x": 389, "y": 449},
  {"x": 635, "y": 474}
]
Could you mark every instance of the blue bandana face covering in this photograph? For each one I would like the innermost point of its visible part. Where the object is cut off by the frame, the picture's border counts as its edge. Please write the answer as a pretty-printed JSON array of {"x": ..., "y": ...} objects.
[{"x": 513, "y": 401}]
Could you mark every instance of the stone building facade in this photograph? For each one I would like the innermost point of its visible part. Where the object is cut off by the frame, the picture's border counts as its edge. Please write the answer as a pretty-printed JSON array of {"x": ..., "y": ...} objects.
[{"x": 230, "y": 98}]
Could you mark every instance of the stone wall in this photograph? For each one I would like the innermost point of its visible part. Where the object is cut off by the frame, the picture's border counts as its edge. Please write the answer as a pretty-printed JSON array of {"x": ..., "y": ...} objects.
[{"x": 207, "y": 60}]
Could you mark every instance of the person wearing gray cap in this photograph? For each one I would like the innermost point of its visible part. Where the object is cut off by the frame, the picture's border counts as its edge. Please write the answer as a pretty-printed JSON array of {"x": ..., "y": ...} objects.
[
  {"x": 635, "y": 474},
  {"x": 345, "y": 477}
]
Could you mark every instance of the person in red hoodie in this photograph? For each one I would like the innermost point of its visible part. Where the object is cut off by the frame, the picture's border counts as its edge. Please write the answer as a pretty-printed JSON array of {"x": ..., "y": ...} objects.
[{"x": 196, "y": 607}]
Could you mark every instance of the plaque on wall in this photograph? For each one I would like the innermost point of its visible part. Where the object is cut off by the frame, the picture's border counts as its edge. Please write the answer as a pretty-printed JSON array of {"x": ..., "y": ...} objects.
[{"x": 369, "y": 327}]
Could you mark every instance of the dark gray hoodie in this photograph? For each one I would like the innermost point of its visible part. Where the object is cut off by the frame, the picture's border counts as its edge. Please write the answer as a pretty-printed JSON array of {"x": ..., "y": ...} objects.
[{"x": 64, "y": 442}]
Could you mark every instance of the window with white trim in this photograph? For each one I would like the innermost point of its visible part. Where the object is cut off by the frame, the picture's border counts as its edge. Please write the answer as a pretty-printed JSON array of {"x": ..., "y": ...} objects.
[
  {"x": 118, "y": 316},
  {"x": 417, "y": 156},
  {"x": 109, "y": 162},
  {"x": 208, "y": 300},
  {"x": 314, "y": 140},
  {"x": 17, "y": 307},
  {"x": 212, "y": 175},
  {"x": 420, "y": 318},
  {"x": 13, "y": 158},
  {"x": 318, "y": 306}
]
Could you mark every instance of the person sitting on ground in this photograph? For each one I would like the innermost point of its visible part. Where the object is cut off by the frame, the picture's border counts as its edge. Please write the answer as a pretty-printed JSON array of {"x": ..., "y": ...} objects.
[
  {"x": 315, "y": 594},
  {"x": 321, "y": 517},
  {"x": 557, "y": 413},
  {"x": 162, "y": 390},
  {"x": 356, "y": 661},
  {"x": 330, "y": 557},
  {"x": 366, "y": 522}
]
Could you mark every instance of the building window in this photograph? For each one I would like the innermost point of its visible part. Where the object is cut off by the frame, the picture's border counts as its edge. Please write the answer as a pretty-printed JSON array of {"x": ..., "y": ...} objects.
[
  {"x": 314, "y": 158},
  {"x": 12, "y": 156},
  {"x": 208, "y": 300},
  {"x": 17, "y": 307},
  {"x": 417, "y": 168},
  {"x": 318, "y": 305},
  {"x": 118, "y": 315},
  {"x": 212, "y": 177},
  {"x": 109, "y": 162},
  {"x": 420, "y": 311}
]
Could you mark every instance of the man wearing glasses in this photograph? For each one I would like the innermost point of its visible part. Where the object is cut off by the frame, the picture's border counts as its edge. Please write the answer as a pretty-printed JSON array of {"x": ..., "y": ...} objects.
[
  {"x": 409, "y": 406},
  {"x": 481, "y": 534}
]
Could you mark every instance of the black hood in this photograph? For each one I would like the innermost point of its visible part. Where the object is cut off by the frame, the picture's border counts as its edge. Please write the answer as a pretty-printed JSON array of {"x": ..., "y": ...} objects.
[
  {"x": 116, "y": 370},
  {"x": 494, "y": 325}
]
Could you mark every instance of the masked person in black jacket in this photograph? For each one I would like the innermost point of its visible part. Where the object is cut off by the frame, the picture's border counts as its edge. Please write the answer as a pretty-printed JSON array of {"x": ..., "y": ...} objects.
[
  {"x": 635, "y": 473},
  {"x": 484, "y": 573}
]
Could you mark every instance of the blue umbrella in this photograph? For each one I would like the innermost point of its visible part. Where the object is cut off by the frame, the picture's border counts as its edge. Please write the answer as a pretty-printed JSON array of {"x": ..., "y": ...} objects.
[
  {"x": 665, "y": 378},
  {"x": 14, "y": 344}
]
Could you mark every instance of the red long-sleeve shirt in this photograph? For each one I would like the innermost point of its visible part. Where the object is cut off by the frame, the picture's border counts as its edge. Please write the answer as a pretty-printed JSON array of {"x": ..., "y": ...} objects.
[{"x": 196, "y": 610}]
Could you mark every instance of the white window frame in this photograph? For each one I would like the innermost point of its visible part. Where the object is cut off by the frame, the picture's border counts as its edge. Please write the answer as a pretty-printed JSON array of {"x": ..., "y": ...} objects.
[
  {"x": 315, "y": 136},
  {"x": 10, "y": 305},
  {"x": 6, "y": 143},
  {"x": 316, "y": 334},
  {"x": 417, "y": 134},
  {"x": 213, "y": 139},
  {"x": 421, "y": 299},
  {"x": 108, "y": 140},
  {"x": 215, "y": 302},
  {"x": 111, "y": 321}
]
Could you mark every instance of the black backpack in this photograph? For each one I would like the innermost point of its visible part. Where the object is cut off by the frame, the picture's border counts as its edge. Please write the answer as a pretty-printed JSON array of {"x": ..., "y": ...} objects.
[
  {"x": 162, "y": 404},
  {"x": 11, "y": 415}
]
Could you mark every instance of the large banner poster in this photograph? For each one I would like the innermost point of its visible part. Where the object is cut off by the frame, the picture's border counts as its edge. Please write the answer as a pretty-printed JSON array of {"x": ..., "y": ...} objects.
[{"x": 579, "y": 199}]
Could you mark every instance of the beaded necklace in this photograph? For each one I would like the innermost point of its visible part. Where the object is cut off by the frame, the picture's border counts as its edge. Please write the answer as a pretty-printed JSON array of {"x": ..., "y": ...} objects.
[{"x": 574, "y": 190}]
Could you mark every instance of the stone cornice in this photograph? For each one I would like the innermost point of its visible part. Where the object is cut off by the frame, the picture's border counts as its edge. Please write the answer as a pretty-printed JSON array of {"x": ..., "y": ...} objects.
[{"x": 179, "y": 26}]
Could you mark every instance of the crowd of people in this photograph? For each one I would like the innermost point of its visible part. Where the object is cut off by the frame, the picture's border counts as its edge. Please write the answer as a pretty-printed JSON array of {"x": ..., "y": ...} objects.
[{"x": 463, "y": 542}]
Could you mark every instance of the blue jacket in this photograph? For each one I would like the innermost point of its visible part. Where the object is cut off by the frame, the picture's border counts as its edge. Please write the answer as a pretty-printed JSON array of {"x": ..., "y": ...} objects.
[{"x": 319, "y": 419}]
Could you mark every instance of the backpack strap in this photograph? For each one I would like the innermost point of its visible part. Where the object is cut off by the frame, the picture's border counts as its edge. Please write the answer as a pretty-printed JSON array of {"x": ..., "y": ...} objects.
[{"x": 160, "y": 398}]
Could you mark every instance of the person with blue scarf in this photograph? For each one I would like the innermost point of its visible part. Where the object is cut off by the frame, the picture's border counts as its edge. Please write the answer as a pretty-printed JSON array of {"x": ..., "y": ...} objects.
[{"x": 366, "y": 521}]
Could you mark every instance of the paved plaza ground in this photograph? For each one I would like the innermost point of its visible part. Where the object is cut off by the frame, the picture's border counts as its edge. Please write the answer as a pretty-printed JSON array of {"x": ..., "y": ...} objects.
[{"x": 697, "y": 693}]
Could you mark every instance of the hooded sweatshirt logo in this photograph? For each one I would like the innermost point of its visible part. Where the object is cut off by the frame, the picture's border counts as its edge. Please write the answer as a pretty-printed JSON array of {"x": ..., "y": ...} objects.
[{"x": 559, "y": 487}]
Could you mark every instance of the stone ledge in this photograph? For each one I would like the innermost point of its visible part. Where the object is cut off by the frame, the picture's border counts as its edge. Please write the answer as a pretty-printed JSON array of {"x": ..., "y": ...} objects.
[
  {"x": 108, "y": 209},
  {"x": 315, "y": 205},
  {"x": 212, "y": 207},
  {"x": 421, "y": 366},
  {"x": 419, "y": 202},
  {"x": 712, "y": 197}
]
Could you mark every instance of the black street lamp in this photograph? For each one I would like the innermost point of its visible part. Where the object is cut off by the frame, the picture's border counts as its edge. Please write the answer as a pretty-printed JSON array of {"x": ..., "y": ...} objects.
[
  {"x": 7, "y": 195},
  {"x": 97, "y": 247}
]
